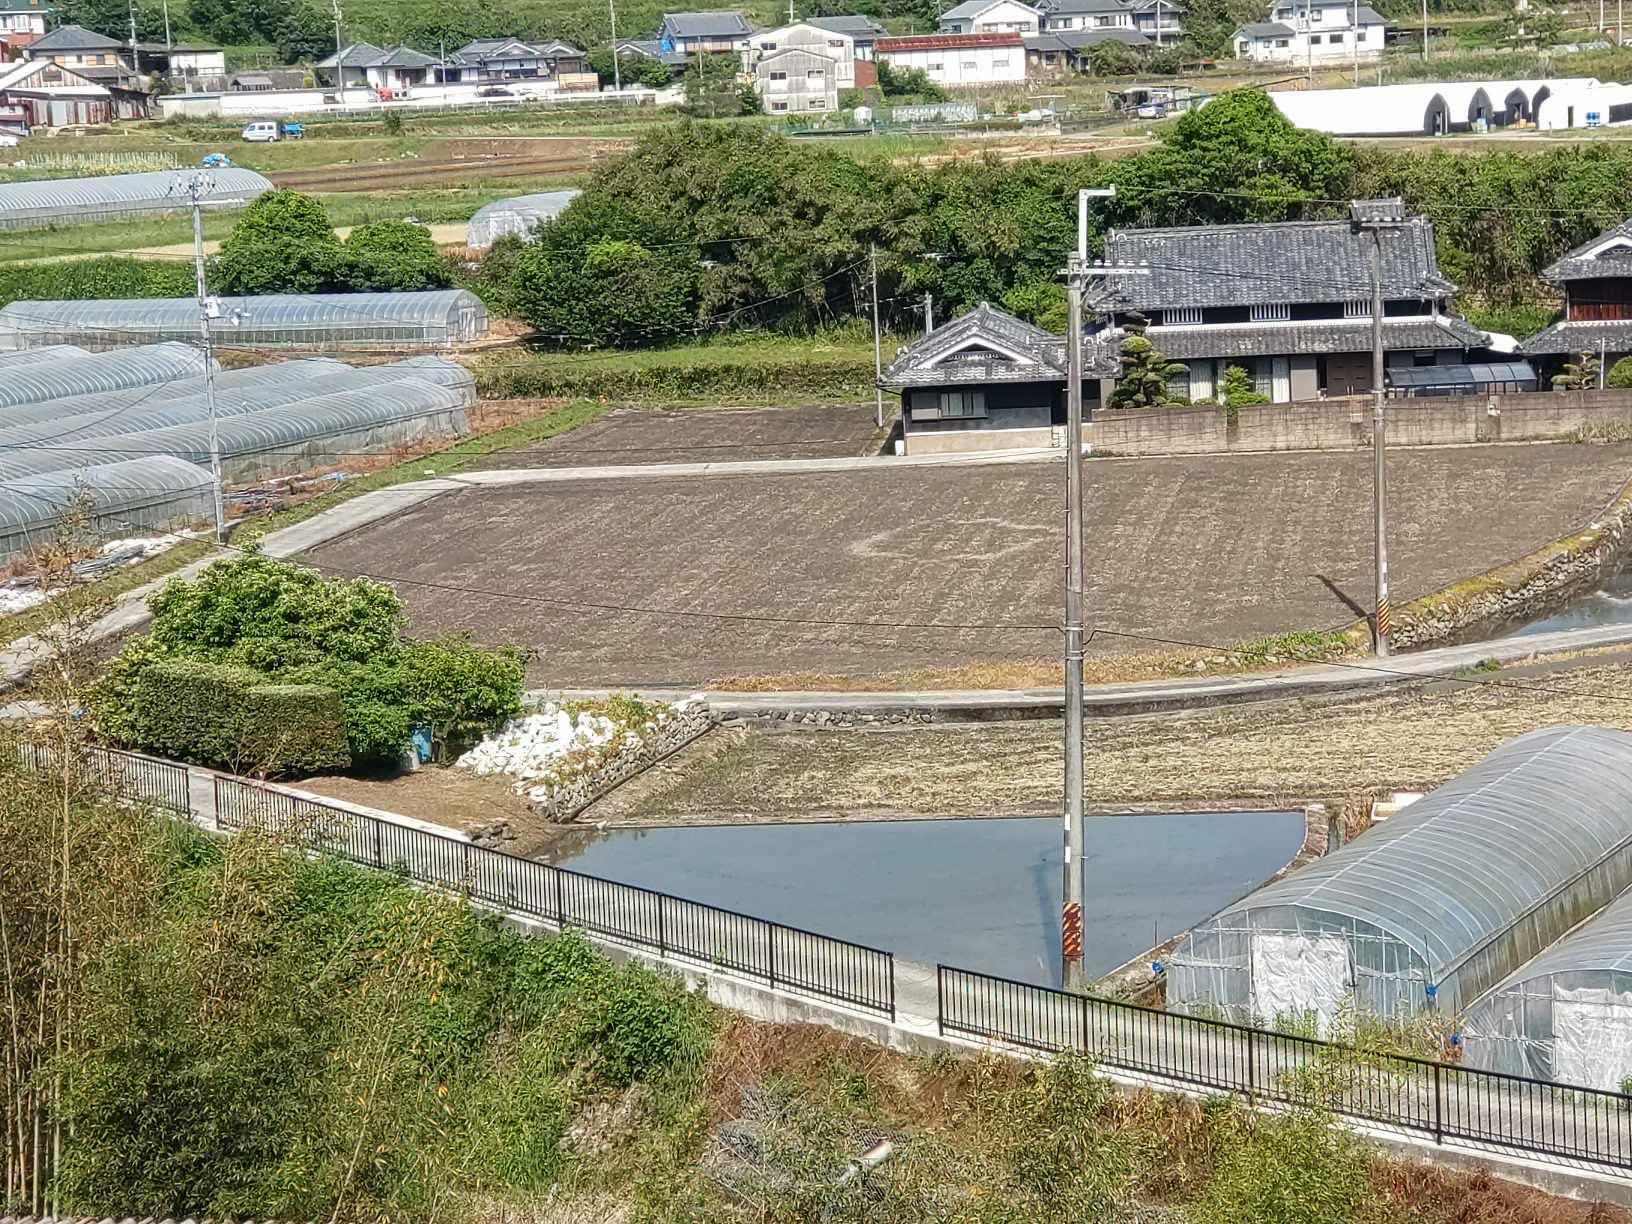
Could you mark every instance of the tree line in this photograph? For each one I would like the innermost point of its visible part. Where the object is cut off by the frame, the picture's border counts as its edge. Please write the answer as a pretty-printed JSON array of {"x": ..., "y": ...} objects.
[{"x": 704, "y": 228}]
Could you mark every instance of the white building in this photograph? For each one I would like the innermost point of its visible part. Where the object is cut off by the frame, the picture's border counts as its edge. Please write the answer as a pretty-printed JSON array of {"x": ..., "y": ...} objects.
[
  {"x": 796, "y": 80},
  {"x": 839, "y": 49},
  {"x": 959, "y": 59},
  {"x": 1434, "y": 108},
  {"x": 991, "y": 17},
  {"x": 1086, "y": 15},
  {"x": 1314, "y": 32}
]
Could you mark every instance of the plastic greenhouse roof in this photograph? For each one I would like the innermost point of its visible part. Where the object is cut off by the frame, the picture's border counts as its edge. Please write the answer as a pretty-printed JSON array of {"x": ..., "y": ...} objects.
[
  {"x": 516, "y": 214},
  {"x": 63, "y": 199},
  {"x": 1603, "y": 942},
  {"x": 36, "y": 501},
  {"x": 52, "y": 352},
  {"x": 1465, "y": 862},
  {"x": 282, "y": 310},
  {"x": 111, "y": 371},
  {"x": 268, "y": 429}
]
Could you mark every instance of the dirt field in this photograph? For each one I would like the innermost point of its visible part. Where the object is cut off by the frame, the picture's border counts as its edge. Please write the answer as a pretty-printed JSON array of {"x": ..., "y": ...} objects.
[
  {"x": 629, "y": 435},
  {"x": 664, "y": 580},
  {"x": 1266, "y": 755},
  {"x": 457, "y": 161}
]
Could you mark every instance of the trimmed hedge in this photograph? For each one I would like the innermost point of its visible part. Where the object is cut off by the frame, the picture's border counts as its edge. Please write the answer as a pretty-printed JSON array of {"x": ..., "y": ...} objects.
[
  {"x": 228, "y": 716},
  {"x": 80, "y": 279},
  {"x": 824, "y": 378}
]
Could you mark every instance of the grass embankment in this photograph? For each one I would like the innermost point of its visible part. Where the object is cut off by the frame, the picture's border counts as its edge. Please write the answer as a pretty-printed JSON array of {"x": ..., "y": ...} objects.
[
  {"x": 500, "y": 430},
  {"x": 246, "y": 1033}
]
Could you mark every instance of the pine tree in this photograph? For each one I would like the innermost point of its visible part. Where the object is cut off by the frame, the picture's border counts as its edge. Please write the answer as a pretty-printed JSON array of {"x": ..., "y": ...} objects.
[
  {"x": 1145, "y": 371},
  {"x": 1578, "y": 375}
]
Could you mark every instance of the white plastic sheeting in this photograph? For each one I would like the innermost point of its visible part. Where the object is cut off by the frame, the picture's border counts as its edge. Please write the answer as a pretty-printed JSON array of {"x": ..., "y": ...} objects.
[
  {"x": 140, "y": 495},
  {"x": 1422, "y": 108},
  {"x": 1298, "y": 976},
  {"x": 1446, "y": 898},
  {"x": 55, "y": 352},
  {"x": 43, "y": 202},
  {"x": 115, "y": 371},
  {"x": 1567, "y": 1014},
  {"x": 516, "y": 215},
  {"x": 432, "y": 318}
]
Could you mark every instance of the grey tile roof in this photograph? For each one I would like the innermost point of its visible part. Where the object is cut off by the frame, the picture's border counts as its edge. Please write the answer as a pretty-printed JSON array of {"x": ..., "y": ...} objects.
[
  {"x": 1039, "y": 356},
  {"x": 1076, "y": 40},
  {"x": 1249, "y": 265},
  {"x": 1580, "y": 336},
  {"x": 1576, "y": 264},
  {"x": 403, "y": 57},
  {"x": 356, "y": 55},
  {"x": 1366, "y": 15},
  {"x": 1074, "y": 8},
  {"x": 862, "y": 29},
  {"x": 653, "y": 49},
  {"x": 74, "y": 38},
  {"x": 719, "y": 24},
  {"x": 1313, "y": 338},
  {"x": 1264, "y": 29}
]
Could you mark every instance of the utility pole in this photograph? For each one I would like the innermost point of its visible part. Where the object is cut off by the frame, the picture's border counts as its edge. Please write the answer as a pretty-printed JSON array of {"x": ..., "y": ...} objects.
[
  {"x": 1308, "y": 42},
  {"x": 339, "y": 57},
  {"x": 1373, "y": 217},
  {"x": 1074, "y": 972},
  {"x": 199, "y": 185},
  {"x": 1354, "y": 41},
  {"x": 135, "y": 55},
  {"x": 878, "y": 344},
  {"x": 168, "y": 45},
  {"x": 617, "y": 74},
  {"x": 1425, "y": 31},
  {"x": 929, "y": 313}
]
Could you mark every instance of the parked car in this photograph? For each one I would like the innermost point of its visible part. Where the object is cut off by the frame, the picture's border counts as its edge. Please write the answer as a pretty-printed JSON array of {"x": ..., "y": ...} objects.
[
  {"x": 495, "y": 91},
  {"x": 261, "y": 130}
]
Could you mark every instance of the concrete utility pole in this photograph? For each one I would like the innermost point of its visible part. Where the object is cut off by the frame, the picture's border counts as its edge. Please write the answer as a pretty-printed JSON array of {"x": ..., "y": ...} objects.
[
  {"x": 878, "y": 343},
  {"x": 1373, "y": 217},
  {"x": 929, "y": 313},
  {"x": 199, "y": 186},
  {"x": 135, "y": 55},
  {"x": 617, "y": 75},
  {"x": 1425, "y": 31},
  {"x": 339, "y": 56},
  {"x": 1078, "y": 271},
  {"x": 1354, "y": 41}
]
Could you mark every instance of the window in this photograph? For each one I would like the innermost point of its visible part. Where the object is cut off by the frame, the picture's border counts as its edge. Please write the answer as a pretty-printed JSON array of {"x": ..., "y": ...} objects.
[
  {"x": 836, "y": 42},
  {"x": 1314, "y": 40},
  {"x": 1181, "y": 316},
  {"x": 1242, "y": 47},
  {"x": 962, "y": 404},
  {"x": 1001, "y": 62},
  {"x": 779, "y": 106},
  {"x": 1357, "y": 310},
  {"x": 1280, "y": 42},
  {"x": 1335, "y": 38},
  {"x": 816, "y": 74},
  {"x": 1422, "y": 358},
  {"x": 767, "y": 46},
  {"x": 970, "y": 65},
  {"x": 935, "y": 67},
  {"x": 1272, "y": 312},
  {"x": 779, "y": 76},
  {"x": 1104, "y": 21}
]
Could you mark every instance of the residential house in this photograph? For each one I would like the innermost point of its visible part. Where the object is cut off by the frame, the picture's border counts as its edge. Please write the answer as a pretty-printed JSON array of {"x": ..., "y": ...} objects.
[
  {"x": 1311, "y": 32},
  {"x": 1596, "y": 281},
  {"x": 1057, "y": 15},
  {"x": 41, "y": 93},
  {"x": 689, "y": 33},
  {"x": 21, "y": 25},
  {"x": 829, "y": 65},
  {"x": 98, "y": 59},
  {"x": 347, "y": 66},
  {"x": 650, "y": 48},
  {"x": 198, "y": 67},
  {"x": 263, "y": 80},
  {"x": 510, "y": 59},
  {"x": 1060, "y": 51},
  {"x": 989, "y": 381},
  {"x": 393, "y": 70},
  {"x": 1161, "y": 21},
  {"x": 991, "y": 17},
  {"x": 863, "y": 32},
  {"x": 1289, "y": 302},
  {"x": 959, "y": 59}
]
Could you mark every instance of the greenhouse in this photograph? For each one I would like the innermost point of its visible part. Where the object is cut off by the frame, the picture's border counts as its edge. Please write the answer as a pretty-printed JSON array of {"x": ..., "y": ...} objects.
[
  {"x": 55, "y": 352},
  {"x": 1567, "y": 1014},
  {"x": 118, "y": 197},
  {"x": 517, "y": 215},
  {"x": 129, "y": 498},
  {"x": 432, "y": 318},
  {"x": 116, "y": 371},
  {"x": 320, "y": 431},
  {"x": 1436, "y": 905}
]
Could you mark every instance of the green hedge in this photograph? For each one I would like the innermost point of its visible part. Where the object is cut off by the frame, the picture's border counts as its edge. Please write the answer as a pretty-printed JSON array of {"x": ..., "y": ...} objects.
[
  {"x": 228, "y": 716},
  {"x": 823, "y": 378},
  {"x": 79, "y": 279}
]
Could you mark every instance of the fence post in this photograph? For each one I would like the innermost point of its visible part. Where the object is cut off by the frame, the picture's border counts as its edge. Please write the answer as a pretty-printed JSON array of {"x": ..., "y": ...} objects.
[
  {"x": 892, "y": 987},
  {"x": 1085, "y": 1024},
  {"x": 464, "y": 870},
  {"x": 770, "y": 946},
  {"x": 1439, "y": 1126},
  {"x": 940, "y": 998},
  {"x": 379, "y": 855},
  {"x": 662, "y": 930},
  {"x": 560, "y": 910},
  {"x": 1252, "y": 1069}
]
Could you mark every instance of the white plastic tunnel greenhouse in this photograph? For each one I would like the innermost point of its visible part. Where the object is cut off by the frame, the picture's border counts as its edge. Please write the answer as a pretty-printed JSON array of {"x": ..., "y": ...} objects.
[
  {"x": 55, "y": 352},
  {"x": 116, "y": 197},
  {"x": 115, "y": 371},
  {"x": 125, "y": 499},
  {"x": 1567, "y": 1014},
  {"x": 1435, "y": 906},
  {"x": 430, "y": 319},
  {"x": 516, "y": 215}
]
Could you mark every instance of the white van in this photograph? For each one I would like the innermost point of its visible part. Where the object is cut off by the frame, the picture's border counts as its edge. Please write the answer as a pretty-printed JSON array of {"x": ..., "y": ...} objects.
[{"x": 262, "y": 130}]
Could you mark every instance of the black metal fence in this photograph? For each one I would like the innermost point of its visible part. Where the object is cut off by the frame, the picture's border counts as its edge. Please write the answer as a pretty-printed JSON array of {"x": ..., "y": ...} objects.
[
  {"x": 1439, "y": 1100},
  {"x": 783, "y": 957},
  {"x": 126, "y": 775}
]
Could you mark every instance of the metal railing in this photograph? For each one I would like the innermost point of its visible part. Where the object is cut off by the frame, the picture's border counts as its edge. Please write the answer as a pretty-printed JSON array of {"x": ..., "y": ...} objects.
[
  {"x": 1440, "y": 1100},
  {"x": 127, "y": 775},
  {"x": 784, "y": 957}
]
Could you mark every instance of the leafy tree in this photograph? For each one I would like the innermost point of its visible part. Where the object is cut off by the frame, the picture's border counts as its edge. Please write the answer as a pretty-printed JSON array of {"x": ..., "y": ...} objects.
[
  {"x": 1620, "y": 374},
  {"x": 1532, "y": 25},
  {"x": 711, "y": 86},
  {"x": 632, "y": 69},
  {"x": 748, "y": 101},
  {"x": 393, "y": 255},
  {"x": 1039, "y": 302},
  {"x": 1238, "y": 390},
  {"x": 1578, "y": 375},
  {"x": 902, "y": 84},
  {"x": 1142, "y": 382},
  {"x": 283, "y": 243},
  {"x": 306, "y": 34},
  {"x": 1112, "y": 59},
  {"x": 1208, "y": 24},
  {"x": 615, "y": 292}
]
